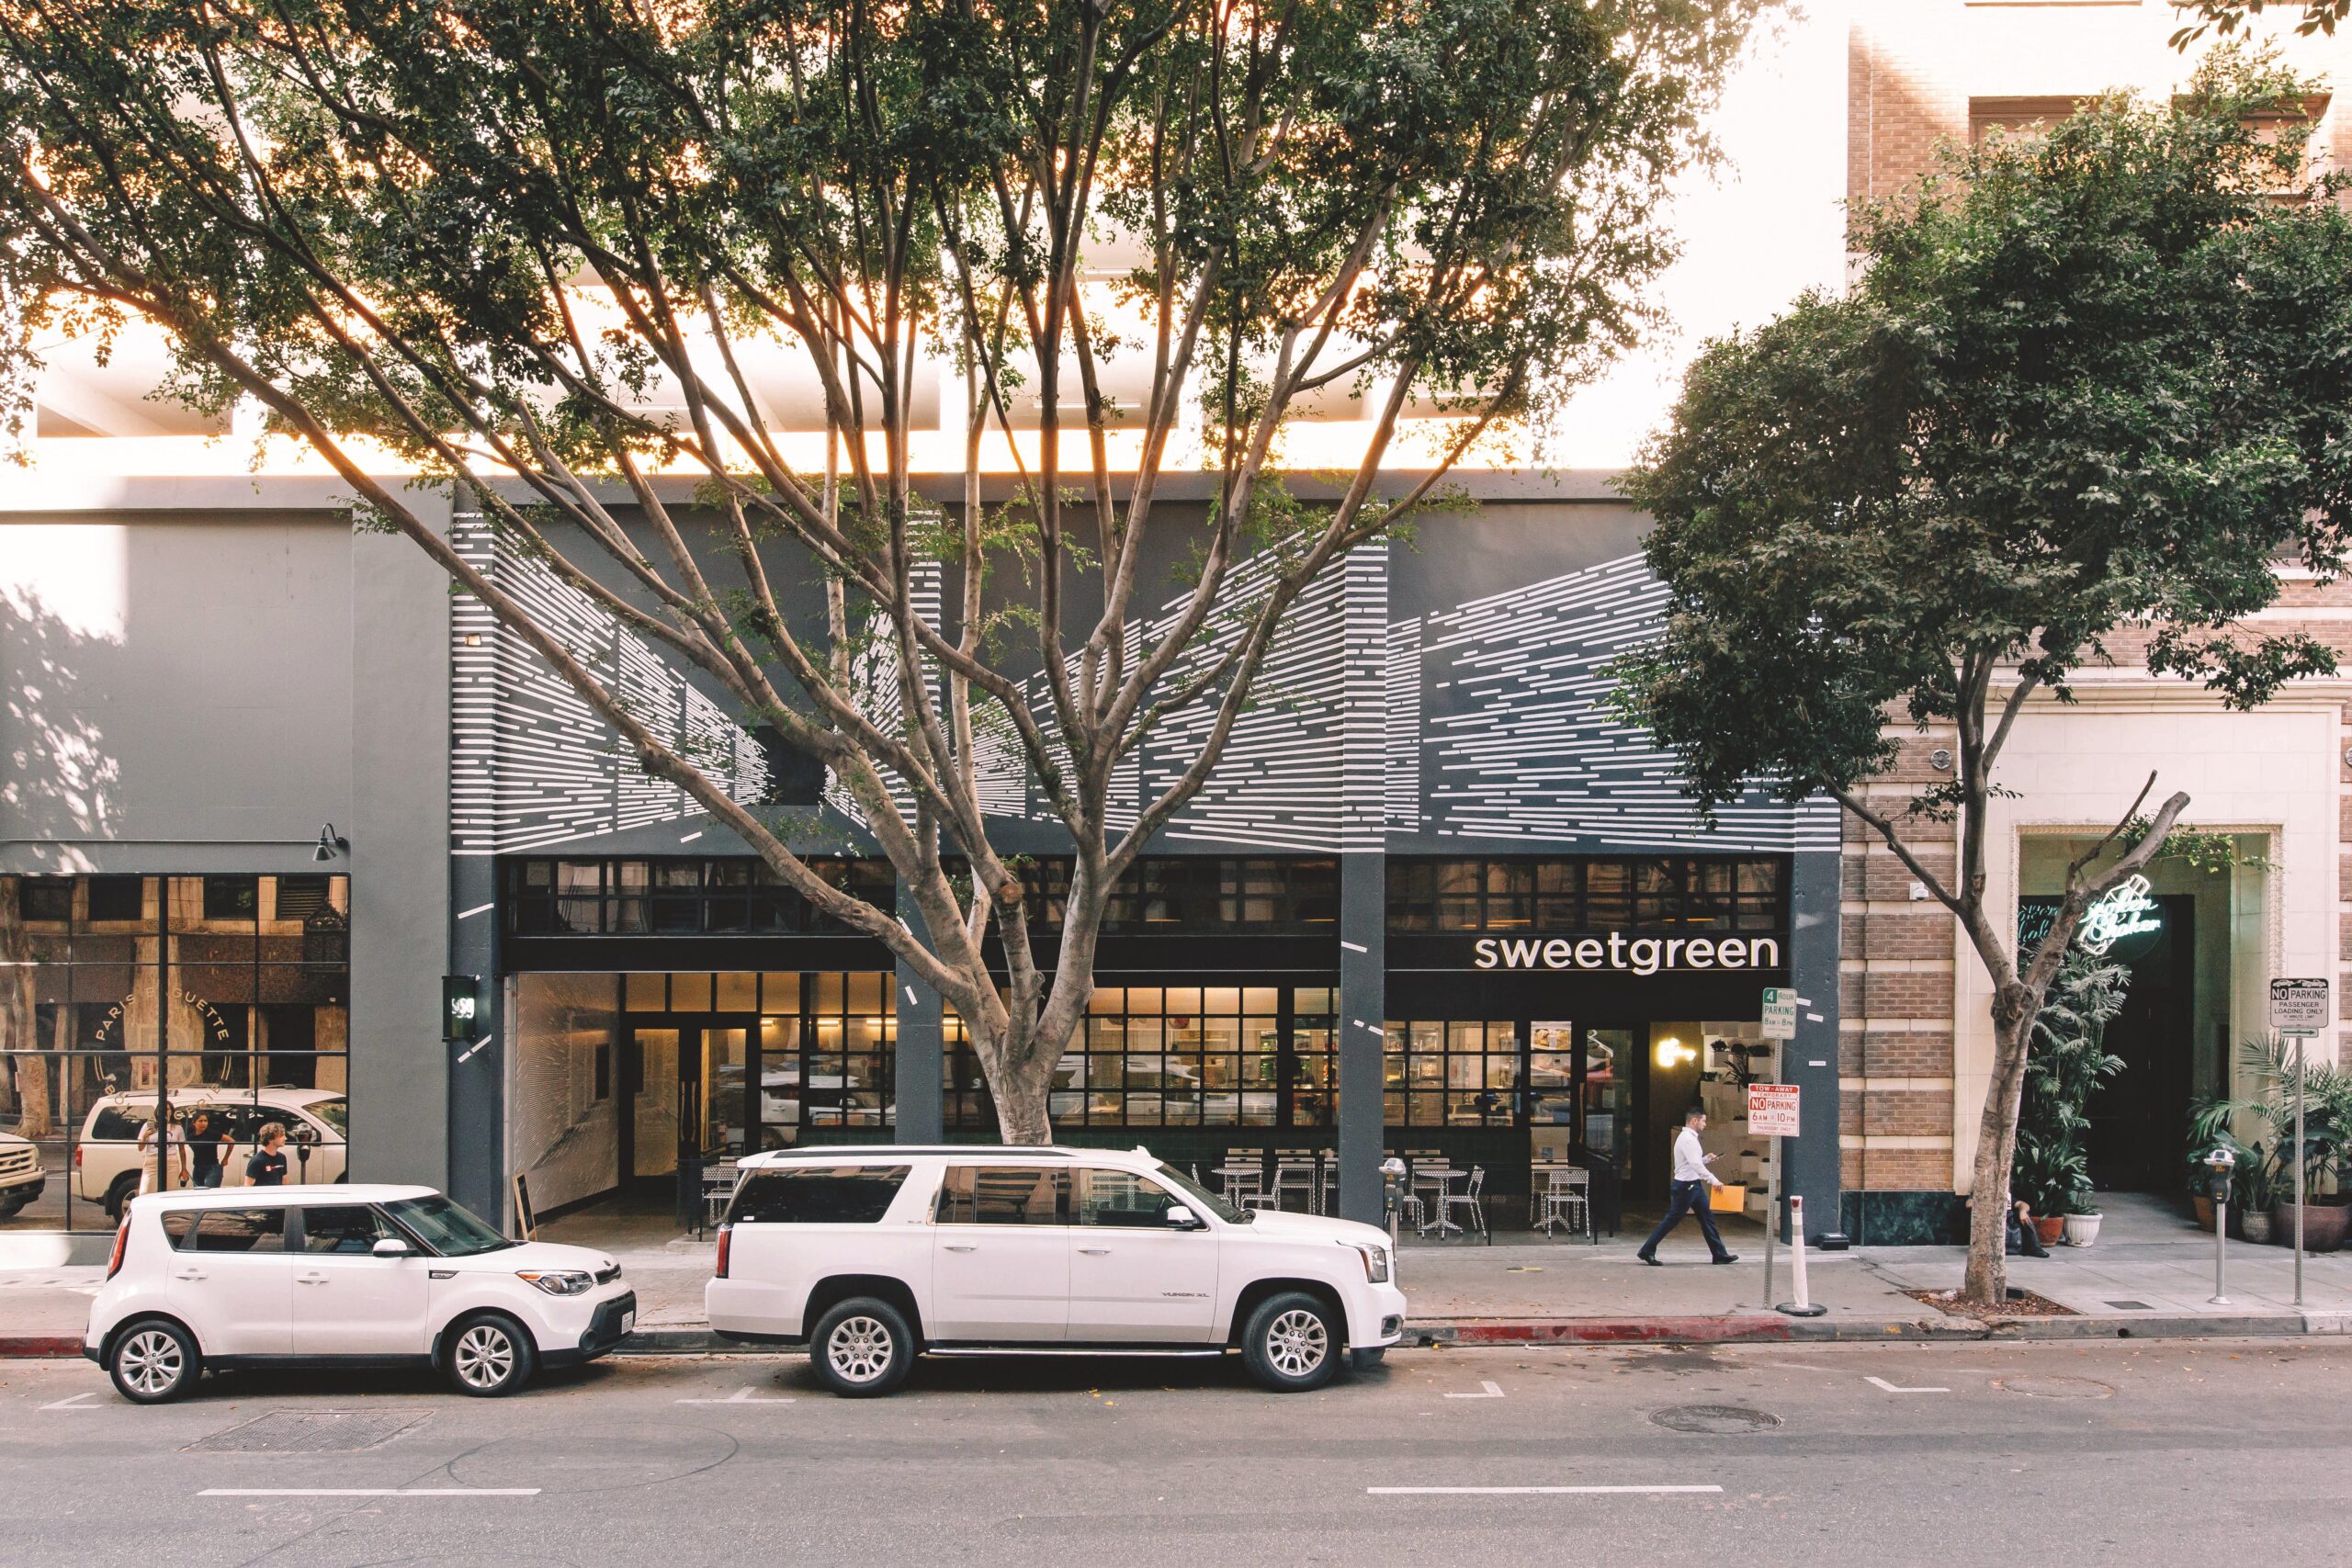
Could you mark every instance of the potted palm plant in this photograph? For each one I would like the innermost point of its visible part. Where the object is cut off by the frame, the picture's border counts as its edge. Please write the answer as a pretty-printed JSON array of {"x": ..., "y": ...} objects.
[
  {"x": 2265, "y": 1177},
  {"x": 2068, "y": 1061}
]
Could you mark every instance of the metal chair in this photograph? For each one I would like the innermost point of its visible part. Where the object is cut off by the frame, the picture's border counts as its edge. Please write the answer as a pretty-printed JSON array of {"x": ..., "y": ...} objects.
[
  {"x": 1567, "y": 1200},
  {"x": 1295, "y": 1172},
  {"x": 1474, "y": 1198}
]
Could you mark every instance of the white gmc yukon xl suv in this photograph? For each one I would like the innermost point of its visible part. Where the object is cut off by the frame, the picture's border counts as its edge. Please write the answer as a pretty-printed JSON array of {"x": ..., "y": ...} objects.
[{"x": 872, "y": 1256}]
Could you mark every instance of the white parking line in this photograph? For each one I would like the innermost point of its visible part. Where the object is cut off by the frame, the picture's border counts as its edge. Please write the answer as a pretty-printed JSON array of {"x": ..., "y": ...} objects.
[
  {"x": 740, "y": 1396},
  {"x": 1892, "y": 1388},
  {"x": 369, "y": 1492},
  {"x": 73, "y": 1403},
  {"x": 1494, "y": 1391},
  {"x": 1525, "y": 1491}
]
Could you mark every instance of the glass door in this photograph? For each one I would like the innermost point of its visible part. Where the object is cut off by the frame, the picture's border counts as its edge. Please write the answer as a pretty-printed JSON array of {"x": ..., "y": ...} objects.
[
  {"x": 650, "y": 1132},
  {"x": 722, "y": 1108},
  {"x": 1606, "y": 1116}
]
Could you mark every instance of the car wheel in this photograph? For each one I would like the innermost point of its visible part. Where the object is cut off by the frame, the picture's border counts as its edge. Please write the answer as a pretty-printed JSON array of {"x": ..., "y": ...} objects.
[
  {"x": 862, "y": 1347},
  {"x": 489, "y": 1355},
  {"x": 154, "y": 1360},
  {"x": 1363, "y": 1360},
  {"x": 1292, "y": 1343},
  {"x": 11, "y": 1207},
  {"x": 125, "y": 1188}
]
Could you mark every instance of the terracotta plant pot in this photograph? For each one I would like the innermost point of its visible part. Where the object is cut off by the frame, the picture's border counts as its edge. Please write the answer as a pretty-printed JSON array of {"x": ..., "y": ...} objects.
[
  {"x": 2255, "y": 1224},
  {"x": 2081, "y": 1229},
  {"x": 2204, "y": 1207},
  {"x": 2050, "y": 1228},
  {"x": 2324, "y": 1225}
]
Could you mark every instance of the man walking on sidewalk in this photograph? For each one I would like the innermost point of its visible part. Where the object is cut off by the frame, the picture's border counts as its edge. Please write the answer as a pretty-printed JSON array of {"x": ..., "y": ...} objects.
[{"x": 1693, "y": 1184}]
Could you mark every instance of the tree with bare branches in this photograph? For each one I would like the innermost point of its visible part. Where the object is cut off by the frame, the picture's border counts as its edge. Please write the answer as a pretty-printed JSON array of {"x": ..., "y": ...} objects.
[{"x": 552, "y": 251}]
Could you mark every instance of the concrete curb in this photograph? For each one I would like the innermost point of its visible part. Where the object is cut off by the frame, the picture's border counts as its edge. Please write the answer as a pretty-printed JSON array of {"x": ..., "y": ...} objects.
[{"x": 1735, "y": 1328}]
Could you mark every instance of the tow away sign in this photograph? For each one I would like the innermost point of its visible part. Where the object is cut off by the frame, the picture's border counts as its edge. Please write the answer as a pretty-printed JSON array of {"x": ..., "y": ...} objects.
[{"x": 1771, "y": 1110}]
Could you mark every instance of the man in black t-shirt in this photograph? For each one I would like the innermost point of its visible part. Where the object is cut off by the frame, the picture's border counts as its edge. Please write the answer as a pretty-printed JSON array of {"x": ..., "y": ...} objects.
[{"x": 267, "y": 1166}]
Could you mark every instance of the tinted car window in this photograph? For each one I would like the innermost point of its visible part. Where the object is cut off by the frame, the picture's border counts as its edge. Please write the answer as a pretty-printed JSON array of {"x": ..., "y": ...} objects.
[
  {"x": 110, "y": 1125},
  {"x": 1005, "y": 1195},
  {"x": 229, "y": 1230},
  {"x": 347, "y": 1227},
  {"x": 1120, "y": 1198},
  {"x": 817, "y": 1195}
]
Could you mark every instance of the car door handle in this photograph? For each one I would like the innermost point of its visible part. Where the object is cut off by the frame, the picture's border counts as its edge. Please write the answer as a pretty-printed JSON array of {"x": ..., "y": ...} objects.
[
  {"x": 310, "y": 1279},
  {"x": 1096, "y": 1251},
  {"x": 189, "y": 1274},
  {"x": 961, "y": 1247}
]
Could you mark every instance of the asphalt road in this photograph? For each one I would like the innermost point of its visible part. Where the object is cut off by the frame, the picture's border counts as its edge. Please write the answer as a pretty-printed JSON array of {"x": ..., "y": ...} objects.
[{"x": 1950, "y": 1455}]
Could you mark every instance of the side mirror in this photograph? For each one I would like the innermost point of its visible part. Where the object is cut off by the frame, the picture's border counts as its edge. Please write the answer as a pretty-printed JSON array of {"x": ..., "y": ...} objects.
[
  {"x": 391, "y": 1247},
  {"x": 1180, "y": 1218}
]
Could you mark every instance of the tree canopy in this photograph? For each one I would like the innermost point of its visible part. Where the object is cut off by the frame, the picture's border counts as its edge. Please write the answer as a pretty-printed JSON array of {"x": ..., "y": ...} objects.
[
  {"x": 551, "y": 249},
  {"x": 2090, "y": 389}
]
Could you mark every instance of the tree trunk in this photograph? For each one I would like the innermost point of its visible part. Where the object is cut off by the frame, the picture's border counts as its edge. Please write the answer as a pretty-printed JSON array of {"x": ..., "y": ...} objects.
[
  {"x": 1985, "y": 1286},
  {"x": 1022, "y": 1086}
]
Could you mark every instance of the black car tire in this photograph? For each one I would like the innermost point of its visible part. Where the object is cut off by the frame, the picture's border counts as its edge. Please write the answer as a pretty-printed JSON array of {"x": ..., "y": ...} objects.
[
  {"x": 125, "y": 1188},
  {"x": 1292, "y": 1343},
  {"x": 154, "y": 1360},
  {"x": 11, "y": 1207},
  {"x": 862, "y": 1347},
  {"x": 489, "y": 1355}
]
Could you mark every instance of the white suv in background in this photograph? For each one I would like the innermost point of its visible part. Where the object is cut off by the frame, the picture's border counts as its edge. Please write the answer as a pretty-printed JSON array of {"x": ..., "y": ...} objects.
[
  {"x": 109, "y": 1161},
  {"x": 362, "y": 1275},
  {"x": 22, "y": 1180},
  {"x": 874, "y": 1255}
]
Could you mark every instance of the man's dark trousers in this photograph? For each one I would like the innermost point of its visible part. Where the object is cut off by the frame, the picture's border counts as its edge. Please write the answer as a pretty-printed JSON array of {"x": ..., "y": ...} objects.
[{"x": 1689, "y": 1197}]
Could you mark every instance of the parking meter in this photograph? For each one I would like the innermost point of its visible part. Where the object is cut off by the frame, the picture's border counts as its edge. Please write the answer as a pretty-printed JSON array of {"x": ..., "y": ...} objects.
[
  {"x": 1392, "y": 1184},
  {"x": 304, "y": 1135},
  {"x": 2218, "y": 1162}
]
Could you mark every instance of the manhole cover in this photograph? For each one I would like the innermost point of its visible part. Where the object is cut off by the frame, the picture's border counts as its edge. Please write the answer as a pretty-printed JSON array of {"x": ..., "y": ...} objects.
[
  {"x": 1715, "y": 1418},
  {"x": 2054, "y": 1388},
  {"x": 308, "y": 1432}
]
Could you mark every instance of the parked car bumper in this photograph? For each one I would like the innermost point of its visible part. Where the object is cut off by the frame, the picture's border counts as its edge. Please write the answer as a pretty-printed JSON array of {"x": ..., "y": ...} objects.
[
  {"x": 1376, "y": 1316},
  {"x": 610, "y": 1320},
  {"x": 24, "y": 1190}
]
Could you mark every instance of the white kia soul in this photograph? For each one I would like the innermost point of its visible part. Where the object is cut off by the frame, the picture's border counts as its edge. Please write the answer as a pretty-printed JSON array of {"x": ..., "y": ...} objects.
[
  {"x": 874, "y": 1255},
  {"x": 360, "y": 1275}
]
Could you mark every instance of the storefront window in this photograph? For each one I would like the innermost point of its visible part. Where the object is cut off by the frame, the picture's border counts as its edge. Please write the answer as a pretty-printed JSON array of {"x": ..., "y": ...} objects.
[
  {"x": 1452, "y": 1073},
  {"x": 1178, "y": 1057},
  {"x": 1676, "y": 893},
  {"x": 253, "y": 1028}
]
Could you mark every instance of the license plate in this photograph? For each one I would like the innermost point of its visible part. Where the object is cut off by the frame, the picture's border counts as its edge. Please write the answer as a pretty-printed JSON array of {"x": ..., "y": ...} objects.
[{"x": 628, "y": 1321}]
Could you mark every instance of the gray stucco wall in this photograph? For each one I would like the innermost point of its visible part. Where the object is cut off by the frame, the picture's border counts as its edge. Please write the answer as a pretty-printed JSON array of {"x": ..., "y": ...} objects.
[{"x": 196, "y": 680}]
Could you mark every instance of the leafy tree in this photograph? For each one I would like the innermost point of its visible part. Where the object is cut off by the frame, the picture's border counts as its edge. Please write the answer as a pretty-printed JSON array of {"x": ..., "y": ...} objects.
[
  {"x": 2223, "y": 17},
  {"x": 497, "y": 237},
  {"x": 2068, "y": 1064},
  {"x": 2089, "y": 385}
]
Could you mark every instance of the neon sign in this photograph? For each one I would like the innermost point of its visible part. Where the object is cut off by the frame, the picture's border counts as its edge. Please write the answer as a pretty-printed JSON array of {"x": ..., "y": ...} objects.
[{"x": 2123, "y": 910}]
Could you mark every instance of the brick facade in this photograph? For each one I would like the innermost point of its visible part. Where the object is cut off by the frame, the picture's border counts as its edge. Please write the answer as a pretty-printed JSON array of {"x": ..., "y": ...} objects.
[{"x": 1919, "y": 73}]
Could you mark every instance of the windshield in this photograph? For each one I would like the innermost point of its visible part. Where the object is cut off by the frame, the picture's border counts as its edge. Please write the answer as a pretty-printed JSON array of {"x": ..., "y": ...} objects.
[
  {"x": 336, "y": 1114},
  {"x": 448, "y": 1228},
  {"x": 1204, "y": 1197}
]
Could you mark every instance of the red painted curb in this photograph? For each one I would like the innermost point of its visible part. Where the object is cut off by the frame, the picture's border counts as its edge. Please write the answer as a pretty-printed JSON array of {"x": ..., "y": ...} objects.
[
  {"x": 1627, "y": 1330},
  {"x": 18, "y": 1345}
]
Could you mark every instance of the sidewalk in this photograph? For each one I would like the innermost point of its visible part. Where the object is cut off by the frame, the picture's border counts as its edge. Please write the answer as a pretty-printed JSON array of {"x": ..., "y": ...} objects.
[{"x": 2150, "y": 1276}]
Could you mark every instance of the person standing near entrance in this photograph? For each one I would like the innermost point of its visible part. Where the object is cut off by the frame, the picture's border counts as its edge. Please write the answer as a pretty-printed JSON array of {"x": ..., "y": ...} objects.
[{"x": 1693, "y": 1183}]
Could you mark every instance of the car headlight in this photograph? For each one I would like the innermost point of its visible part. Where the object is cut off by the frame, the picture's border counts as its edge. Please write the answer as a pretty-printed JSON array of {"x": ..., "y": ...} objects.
[
  {"x": 1375, "y": 1261},
  {"x": 559, "y": 1282}
]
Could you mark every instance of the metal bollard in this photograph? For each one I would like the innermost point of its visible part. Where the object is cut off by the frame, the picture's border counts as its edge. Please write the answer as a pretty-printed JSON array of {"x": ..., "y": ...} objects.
[{"x": 1802, "y": 1307}]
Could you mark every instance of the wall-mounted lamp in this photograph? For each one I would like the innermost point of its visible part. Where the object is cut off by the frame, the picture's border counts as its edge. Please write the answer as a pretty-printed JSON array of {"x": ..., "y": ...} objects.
[
  {"x": 1672, "y": 1053},
  {"x": 331, "y": 844}
]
